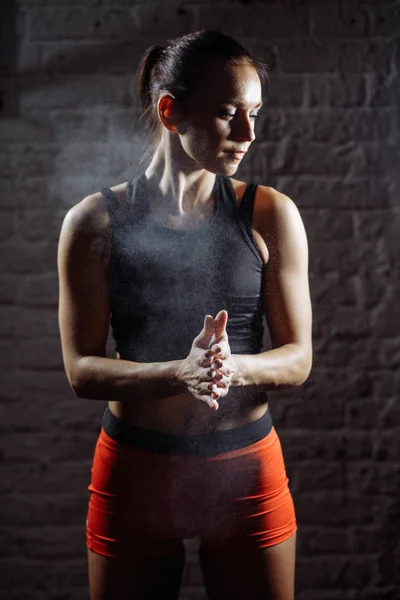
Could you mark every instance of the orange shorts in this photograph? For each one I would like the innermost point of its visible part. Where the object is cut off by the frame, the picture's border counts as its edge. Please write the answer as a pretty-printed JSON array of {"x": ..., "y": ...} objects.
[{"x": 151, "y": 490}]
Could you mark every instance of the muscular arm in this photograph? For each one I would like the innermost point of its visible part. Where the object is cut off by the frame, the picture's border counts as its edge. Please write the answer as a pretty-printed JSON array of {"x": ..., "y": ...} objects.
[
  {"x": 287, "y": 298},
  {"x": 84, "y": 312}
]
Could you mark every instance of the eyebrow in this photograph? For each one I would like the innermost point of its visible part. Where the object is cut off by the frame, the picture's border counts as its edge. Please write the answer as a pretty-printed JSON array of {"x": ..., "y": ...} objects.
[{"x": 239, "y": 104}]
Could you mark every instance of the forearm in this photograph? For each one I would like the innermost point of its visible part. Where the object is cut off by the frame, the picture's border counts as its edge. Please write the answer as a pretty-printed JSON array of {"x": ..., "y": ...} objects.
[
  {"x": 280, "y": 368},
  {"x": 99, "y": 378}
]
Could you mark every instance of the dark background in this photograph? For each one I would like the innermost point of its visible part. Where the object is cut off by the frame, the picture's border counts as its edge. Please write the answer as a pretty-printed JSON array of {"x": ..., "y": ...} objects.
[{"x": 329, "y": 138}]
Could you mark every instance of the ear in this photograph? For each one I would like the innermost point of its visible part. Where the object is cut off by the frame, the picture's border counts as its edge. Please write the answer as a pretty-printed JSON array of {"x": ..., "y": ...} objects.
[{"x": 169, "y": 112}]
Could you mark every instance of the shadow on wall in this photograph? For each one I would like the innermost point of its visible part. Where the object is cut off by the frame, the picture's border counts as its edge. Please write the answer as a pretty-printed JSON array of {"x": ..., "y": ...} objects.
[{"x": 9, "y": 55}]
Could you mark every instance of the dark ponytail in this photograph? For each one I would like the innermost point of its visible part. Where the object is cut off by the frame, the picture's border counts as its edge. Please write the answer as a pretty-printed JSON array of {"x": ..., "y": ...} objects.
[
  {"x": 179, "y": 67},
  {"x": 149, "y": 59}
]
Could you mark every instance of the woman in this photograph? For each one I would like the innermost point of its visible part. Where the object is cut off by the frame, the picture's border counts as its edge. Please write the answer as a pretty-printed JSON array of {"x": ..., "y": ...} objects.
[{"x": 188, "y": 261}]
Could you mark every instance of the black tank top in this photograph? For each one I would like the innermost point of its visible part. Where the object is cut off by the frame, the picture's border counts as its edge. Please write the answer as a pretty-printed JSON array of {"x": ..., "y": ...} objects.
[{"x": 164, "y": 281}]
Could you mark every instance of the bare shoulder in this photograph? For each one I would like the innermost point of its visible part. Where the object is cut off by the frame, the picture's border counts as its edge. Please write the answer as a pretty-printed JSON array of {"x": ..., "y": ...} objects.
[
  {"x": 276, "y": 218},
  {"x": 91, "y": 215}
]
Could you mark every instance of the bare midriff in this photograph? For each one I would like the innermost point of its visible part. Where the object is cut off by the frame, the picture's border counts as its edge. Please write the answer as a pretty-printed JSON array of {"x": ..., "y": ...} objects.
[{"x": 185, "y": 414}]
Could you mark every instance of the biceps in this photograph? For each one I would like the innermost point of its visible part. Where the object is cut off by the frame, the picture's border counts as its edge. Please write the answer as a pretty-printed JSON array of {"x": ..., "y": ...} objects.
[
  {"x": 288, "y": 306},
  {"x": 83, "y": 298}
]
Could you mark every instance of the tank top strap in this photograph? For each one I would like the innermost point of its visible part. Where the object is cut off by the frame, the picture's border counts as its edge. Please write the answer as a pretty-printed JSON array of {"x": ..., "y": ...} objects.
[{"x": 246, "y": 206}]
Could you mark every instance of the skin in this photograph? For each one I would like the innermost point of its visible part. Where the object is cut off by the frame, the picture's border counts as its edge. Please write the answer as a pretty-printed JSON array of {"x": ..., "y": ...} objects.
[{"x": 211, "y": 387}]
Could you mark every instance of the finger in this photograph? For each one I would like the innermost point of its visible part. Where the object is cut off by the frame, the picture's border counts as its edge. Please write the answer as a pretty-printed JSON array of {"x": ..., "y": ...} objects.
[
  {"x": 206, "y": 362},
  {"x": 208, "y": 398},
  {"x": 220, "y": 322},
  {"x": 216, "y": 376},
  {"x": 217, "y": 364},
  {"x": 205, "y": 336}
]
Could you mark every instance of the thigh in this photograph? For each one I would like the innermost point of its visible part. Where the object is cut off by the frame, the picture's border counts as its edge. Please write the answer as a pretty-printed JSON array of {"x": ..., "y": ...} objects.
[
  {"x": 252, "y": 573},
  {"x": 142, "y": 575}
]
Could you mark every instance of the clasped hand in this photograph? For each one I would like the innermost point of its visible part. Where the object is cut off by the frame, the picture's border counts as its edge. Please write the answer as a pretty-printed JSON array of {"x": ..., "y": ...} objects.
[{"x": 208, "y": 369}]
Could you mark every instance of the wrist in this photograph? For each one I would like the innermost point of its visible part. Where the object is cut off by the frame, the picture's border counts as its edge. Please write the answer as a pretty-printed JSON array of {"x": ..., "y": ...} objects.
[
  {"x": 176, "y": 378},
  {"x": 238, "y": 377}
]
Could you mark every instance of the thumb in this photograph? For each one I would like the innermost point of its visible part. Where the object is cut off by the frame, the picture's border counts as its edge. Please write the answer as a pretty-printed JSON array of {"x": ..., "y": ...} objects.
[
  {"x": 220, "y": 322},
  {"x": 206, "y": 334}
]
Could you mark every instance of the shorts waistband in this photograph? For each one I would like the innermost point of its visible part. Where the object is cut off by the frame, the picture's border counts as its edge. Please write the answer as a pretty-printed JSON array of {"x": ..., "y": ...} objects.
[{"x": 204, "y": 444}]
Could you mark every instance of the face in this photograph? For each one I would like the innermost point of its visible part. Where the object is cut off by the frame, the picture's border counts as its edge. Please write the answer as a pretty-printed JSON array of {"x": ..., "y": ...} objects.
[{"x": 220, "y": 118}]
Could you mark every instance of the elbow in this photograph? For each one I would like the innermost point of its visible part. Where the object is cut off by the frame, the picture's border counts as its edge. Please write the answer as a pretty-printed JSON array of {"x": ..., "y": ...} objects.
[
  {"x": 78, "y": 380},
  {"x": 305, "y": 368},
  {"x": 77, "y": 385}
]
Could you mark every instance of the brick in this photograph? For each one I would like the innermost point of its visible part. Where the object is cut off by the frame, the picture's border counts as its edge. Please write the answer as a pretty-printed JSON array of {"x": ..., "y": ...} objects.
[
  {"x": 29, "y": 323},
  {"x": 326, "y": 224},
  {"x": 321, "y": 414},
  {"x": 344, "y": 509},
  {"x": 365, "y": 540},
  {"x": 366, "y": 477},
  {"x": 44, "y": 477},
  {"x": 359, "y": 445},
  {"x": 323, "y": 540},
  {"x": 304, "y": 157},
  {"x": 332, "y": 291},
  {"x": 91, "y": 56},
  {"x": 23, "y": 4},
  {"x": 390, "y": 350},
  {"x": 44, "y": 575},
  {"x": 339, "y": 19},
  {"x": 28, "y": 57},
  {"x": 346, "y": 90},
  {"x": 330, "y": 56},
  {"x": 79, "y": 158},
  {"x": 303, "y": 56},
  {"x": 7, "y": 225},
  {"x": 325, "y": 572},
  {"x": 39, "y": 225},
  {"x": 382, "y": 90},
  {"x": 377, "y": 223},
  {"x": 381, "y": 159},
  {"x": 9, "y": 285},
  {"x": 387, "y": 312},
  {"x": 8, "y": 351},
  {"x": 42, "y": 542},
  {"x": 285, "y": 91},
  {"x": 39, "y": 290},
  {"x": 25, "y": 509},
  {"x": 342, "y": 257},
  {"x": 348, "y": 321},
  {"x": 50, "y": 356},
  {"x": 384, "y": 20},
  {"x": 60, "y": 408},
  {"x": 363, "y": 414},
  {"x": 359, "y": 193},
  {"x": 79, "y": 23},
  {"x": 311, "y": 445},
  {"x": 317, "y": 475},
  {"x": 22, "y": 259},
  {"x": 375, "y": 287},
  {"x": 26, "y": 129},
  {"x": 83, "y": 91},
  {"x": 62, "y": 446},
  {"x": 106, "y": 23},
  {"x": 33, "y": 160},
  {"x": 387, "y": 446},
  {"x": 273, "y": 22}
]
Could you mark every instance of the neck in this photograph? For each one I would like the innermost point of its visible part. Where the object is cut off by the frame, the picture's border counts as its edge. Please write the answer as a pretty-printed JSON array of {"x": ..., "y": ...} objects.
[{"x": 181, "y": 188}]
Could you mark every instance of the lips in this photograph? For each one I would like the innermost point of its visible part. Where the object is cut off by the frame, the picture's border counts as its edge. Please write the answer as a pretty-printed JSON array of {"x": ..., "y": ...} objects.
[{"x": 236, "y": 154}]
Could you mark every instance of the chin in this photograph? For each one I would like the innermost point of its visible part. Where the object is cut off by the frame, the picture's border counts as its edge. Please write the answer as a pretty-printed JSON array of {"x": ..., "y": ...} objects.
[{"x": 221, "y": 167}]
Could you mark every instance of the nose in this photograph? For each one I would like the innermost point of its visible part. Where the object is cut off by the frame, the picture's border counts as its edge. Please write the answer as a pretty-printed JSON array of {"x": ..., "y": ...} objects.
[{"x": 245, "y": 130}]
